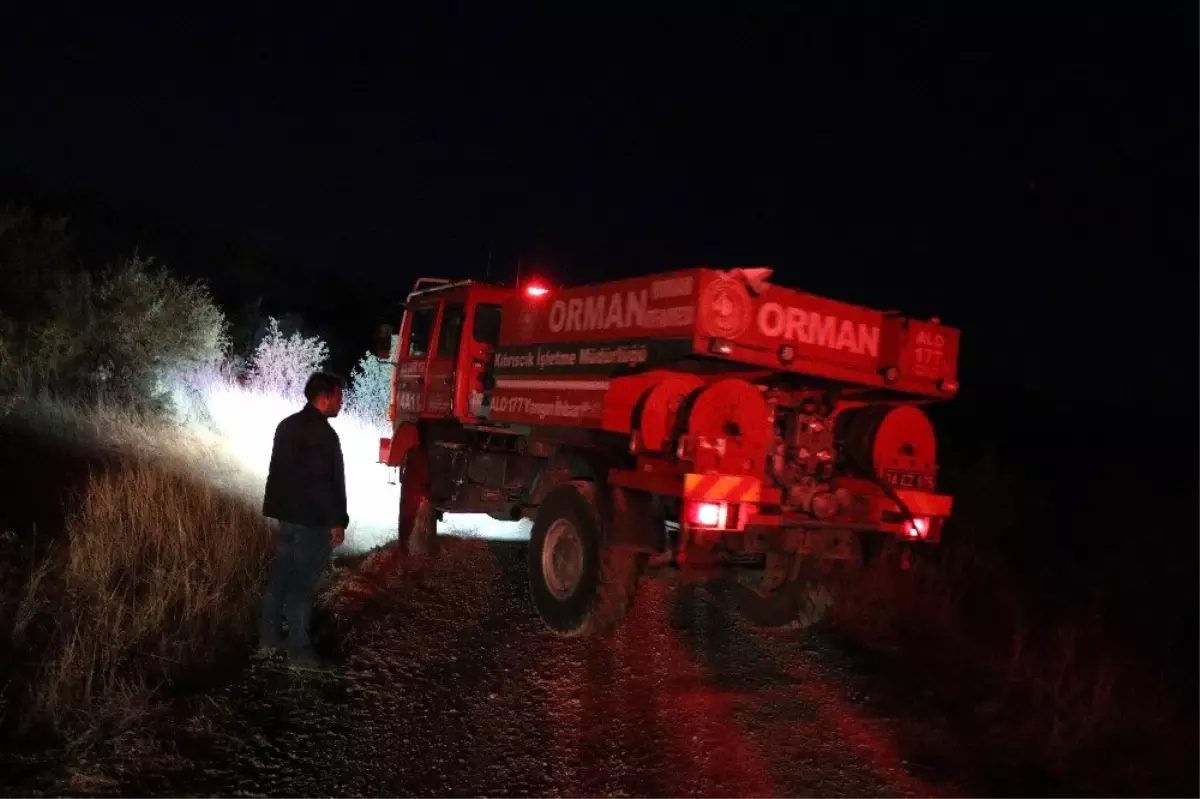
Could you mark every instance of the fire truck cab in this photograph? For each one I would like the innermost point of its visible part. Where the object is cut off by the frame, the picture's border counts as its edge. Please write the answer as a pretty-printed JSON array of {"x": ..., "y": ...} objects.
[{"x": 447, "y": 340}]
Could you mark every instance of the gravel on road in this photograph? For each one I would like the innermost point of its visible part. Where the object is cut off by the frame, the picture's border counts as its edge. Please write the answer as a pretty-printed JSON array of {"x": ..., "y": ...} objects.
[{"x": 449, "y": 685}]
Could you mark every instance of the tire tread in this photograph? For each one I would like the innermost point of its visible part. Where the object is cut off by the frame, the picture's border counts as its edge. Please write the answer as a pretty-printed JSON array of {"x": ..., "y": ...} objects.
[{"x": 618, "y": 578}]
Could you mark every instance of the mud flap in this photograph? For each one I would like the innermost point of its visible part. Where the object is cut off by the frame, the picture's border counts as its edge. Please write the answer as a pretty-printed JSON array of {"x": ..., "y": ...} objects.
[{"x": 632, "y": 522}]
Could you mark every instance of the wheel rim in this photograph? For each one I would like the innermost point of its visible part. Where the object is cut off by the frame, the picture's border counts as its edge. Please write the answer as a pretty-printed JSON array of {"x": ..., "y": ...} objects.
[{"x": 562, "y": 559}]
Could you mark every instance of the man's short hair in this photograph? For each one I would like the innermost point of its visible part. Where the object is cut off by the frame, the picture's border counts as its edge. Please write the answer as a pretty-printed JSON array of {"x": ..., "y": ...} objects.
[{"x": 320, "y": 384}]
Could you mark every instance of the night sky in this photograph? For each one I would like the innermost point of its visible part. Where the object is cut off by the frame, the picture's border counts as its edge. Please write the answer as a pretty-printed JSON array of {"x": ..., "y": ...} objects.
[{"x": 1027, "y": 175}]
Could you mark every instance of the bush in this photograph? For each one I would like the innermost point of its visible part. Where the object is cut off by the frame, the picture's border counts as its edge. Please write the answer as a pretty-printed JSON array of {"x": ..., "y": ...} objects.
[
  {"x": 33, "y": 260},
  {"x": 370, "y": 390},
  {"x": 280, "y": 365},
  {"x": 152, "y": 329},
  {"x": 1055, "y": 676},
  {"x": 122, "y": 334},
  {"x": 158, "y": 570}
]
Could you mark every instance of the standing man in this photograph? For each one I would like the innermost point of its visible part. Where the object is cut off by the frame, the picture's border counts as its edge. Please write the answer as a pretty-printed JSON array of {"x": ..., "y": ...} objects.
[{"x": 306, "y": 492}]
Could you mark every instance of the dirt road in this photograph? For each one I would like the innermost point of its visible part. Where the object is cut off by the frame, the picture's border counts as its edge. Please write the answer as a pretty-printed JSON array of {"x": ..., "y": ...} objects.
[{"x": 449, "y": 685}]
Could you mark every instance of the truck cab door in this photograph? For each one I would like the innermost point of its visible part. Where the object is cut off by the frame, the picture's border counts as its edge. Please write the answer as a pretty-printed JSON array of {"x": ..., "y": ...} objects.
[
  {"x": 481, "y": 345},
  {"x": 412, "y": 362},
  {"x": 440, "y": 390}
]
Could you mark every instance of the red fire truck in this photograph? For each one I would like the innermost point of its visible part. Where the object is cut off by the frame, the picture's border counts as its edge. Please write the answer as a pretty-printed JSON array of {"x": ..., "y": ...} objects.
[{"x": 748, "y": 435}]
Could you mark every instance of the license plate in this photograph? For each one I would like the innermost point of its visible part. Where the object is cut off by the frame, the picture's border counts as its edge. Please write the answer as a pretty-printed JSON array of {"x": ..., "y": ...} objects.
[{"x": 916, "y": 481}]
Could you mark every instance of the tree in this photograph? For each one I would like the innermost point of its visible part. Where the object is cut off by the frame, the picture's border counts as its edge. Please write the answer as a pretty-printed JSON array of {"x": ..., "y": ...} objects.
[
  {"x": 281, "y": 364},
  {"x": 370, "y": 389},
  {"x": 150, "y": 329},
  {"x": 124, "y": 333}
]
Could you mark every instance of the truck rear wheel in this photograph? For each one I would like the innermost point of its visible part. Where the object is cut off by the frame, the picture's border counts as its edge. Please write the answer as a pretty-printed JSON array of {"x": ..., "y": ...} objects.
[{"x": 578, "y": 585}]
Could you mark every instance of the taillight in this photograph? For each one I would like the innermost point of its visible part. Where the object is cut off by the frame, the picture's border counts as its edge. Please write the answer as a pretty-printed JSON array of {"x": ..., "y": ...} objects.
[
  {"x": 707, "y": 514},
  {"x": 918, "y": 527}
]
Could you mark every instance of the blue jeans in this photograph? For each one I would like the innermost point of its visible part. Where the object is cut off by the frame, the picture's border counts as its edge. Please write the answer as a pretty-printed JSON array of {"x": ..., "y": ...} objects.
[{"x": 301, "y": 557}]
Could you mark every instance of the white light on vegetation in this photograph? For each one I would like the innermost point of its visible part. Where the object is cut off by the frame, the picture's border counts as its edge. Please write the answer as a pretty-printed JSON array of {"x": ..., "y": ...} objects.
[{"x": 245, "y": 422}]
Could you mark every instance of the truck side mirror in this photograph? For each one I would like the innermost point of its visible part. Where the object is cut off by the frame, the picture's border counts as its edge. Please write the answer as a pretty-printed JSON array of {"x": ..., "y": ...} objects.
[{"x": 383, "y": 343}]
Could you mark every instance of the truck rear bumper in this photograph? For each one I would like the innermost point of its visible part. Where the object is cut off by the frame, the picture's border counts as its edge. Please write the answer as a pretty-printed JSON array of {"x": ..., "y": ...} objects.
[{"x": 741, "y": 503}]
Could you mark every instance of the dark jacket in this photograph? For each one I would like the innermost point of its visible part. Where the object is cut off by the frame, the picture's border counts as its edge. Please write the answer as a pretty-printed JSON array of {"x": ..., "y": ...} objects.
[{"x": 306, "y": 483}]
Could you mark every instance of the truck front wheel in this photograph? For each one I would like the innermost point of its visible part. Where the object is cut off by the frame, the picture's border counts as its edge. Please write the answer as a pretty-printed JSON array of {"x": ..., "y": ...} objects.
[
  {"x": 417, "y": 524},
  {"x": 578, "y": 585}
]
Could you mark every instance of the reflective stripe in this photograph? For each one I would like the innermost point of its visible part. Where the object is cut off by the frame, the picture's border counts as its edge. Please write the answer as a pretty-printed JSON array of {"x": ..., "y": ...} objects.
[
  {"x": 537, "y": 383},
  {"x": 721, "y": 488}
]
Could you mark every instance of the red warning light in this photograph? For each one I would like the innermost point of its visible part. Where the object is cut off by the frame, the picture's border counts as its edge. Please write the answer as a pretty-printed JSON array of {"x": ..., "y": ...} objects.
[{"x": 536, "y": 290}]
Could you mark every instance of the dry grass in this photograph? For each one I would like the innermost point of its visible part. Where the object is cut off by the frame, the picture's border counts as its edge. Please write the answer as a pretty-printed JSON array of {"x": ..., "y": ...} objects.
[
  {"x": 1055, "y": 687},
  {"x": 159, "y": 562},
  {"x": 112, "y": 429},
  {"x": 155, "y": 571}
]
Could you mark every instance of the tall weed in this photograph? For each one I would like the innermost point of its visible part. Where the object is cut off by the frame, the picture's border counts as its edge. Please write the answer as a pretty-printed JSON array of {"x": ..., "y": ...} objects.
[{"x": 155, "y": 572}]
